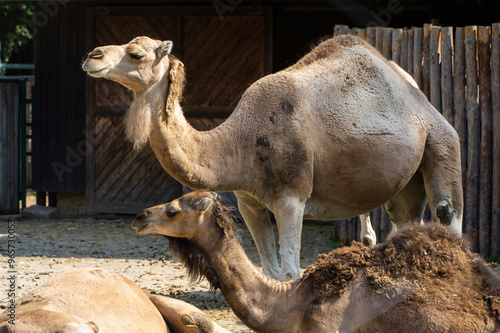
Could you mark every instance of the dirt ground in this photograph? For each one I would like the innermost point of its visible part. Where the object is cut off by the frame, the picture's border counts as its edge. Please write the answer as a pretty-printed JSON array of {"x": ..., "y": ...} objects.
[{"x": 45, "y": 248}]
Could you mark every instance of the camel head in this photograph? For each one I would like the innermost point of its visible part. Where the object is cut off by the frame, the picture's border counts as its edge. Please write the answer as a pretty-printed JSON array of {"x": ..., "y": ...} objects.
[
  {"x": 146, "y": 67},
  {"x": 136, "y": 65},
  {"x": 181, "y": 218}
]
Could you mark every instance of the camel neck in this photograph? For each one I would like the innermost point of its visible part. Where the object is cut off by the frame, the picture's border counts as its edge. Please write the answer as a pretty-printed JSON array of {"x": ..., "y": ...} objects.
[
  {"x": 262, "y": 303},
  {"x": 197, "y": 159}
]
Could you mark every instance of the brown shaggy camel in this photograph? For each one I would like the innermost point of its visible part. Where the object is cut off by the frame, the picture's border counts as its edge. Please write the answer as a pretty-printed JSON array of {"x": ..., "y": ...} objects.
[
  {"x": 93, "y": 300},
  {"x": 338, "y": 134},
  {"x": 423, "y": 279}
]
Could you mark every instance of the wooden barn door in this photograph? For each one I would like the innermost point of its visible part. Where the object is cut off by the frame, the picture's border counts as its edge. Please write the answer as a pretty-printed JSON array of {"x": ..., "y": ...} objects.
[{"x": 222, "y": 55}]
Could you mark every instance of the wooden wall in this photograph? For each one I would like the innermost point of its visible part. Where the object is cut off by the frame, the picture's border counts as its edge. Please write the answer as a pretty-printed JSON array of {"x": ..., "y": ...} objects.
[
  {"x": 59, "y": 112},
  {"x": 222, "y": 58}
]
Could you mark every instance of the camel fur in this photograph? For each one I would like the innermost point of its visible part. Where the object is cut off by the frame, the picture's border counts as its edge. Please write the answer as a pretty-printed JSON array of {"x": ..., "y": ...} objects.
[
  {"x": 338, "y": 134},
  {"x": 91, "y": 300},
  {"x": 422, "y": 279}
]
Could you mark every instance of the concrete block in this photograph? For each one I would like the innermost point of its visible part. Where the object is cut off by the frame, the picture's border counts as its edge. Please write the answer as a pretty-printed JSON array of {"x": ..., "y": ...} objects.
[{"x": 40, "y": 212}]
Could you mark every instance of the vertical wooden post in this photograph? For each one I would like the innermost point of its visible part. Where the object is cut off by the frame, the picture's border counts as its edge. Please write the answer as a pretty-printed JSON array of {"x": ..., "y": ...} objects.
[
  {"x": 495, "y": 104},
  {"x": 483, "y": 50},
  {"x": 447, "y": 73},
  {"x": 335, "y": 30},
  {"x": 404, "y": 50},
  {"x": 417, "y": 56},
  {"x": 474, "y": 140},
  {"x": 397, "y": 35},
  {"x": 387, "y": 43},
  {"x": 343, "y": 29},
  {"x": 411, "y": 44},
  {"x": 435, "y": 69},
  {"x": 376, "y": 224},
  {"x": 352, "y": 32},
  {"x": 379, "y": 38},
  {"x": 426, "y": 32},
  {"x": 459, "y": 97},
  {"x": 371, "y": 36},
  {"x": 362, "y": 33}
]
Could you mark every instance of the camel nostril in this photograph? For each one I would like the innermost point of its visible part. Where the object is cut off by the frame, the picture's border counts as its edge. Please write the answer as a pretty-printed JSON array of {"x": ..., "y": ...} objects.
[{"x": 96, "y": 54}]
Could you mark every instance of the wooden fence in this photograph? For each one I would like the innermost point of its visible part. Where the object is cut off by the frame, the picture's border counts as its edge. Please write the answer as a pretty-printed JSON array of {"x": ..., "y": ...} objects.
[{"x": 458, "y": 69}]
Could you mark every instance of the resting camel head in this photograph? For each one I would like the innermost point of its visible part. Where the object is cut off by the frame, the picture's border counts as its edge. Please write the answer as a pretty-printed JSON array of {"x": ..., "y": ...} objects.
[
  {"x": 136, "y": 65},
  {"x": 181, "y": 218}
]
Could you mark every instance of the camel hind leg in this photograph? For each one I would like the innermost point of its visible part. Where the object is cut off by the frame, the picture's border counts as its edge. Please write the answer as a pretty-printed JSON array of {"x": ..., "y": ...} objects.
[
  {"x": 409, "y": 204},
  {"x": 368, "y": 235},
  {"x": 442, "y": 176},
  {"x": 405, "y": 207}
]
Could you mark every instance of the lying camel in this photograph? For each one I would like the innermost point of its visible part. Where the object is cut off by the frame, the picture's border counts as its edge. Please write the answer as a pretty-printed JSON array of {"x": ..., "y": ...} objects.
[
  {"x": 422, "y": 279},
  {"x": 338, "y": 134},
  {"x": 93, "y": 300}
]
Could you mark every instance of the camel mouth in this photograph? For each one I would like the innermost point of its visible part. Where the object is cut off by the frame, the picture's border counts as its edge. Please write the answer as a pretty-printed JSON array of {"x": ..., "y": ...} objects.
[
  {"x": 98, "y": 73},
  {"x": 139, "y": 229},
  {"x": 139, "y": 226}
]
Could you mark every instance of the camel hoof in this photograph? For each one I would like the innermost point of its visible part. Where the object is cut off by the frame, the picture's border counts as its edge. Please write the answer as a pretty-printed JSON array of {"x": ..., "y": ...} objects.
[
  {"x": 444, "y": 214},
  {"x": 200, "y": 321},
  {"x": 367, "y": 241}
]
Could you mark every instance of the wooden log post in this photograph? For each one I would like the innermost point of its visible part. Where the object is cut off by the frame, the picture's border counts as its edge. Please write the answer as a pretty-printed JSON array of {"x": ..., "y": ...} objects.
[
  {"x": 362, "y": 33},
  {"x": 379, "y": 38},
  {"x": 397, "y": 35},
  {"x": 447, "y": 73},
  {"x": 404, "y": 50},
  {"x": 411, "y": 44},
  {"x": 459, "y": 97},
  {"x": 417, "y": 56},
  {"x": 474, "y": 140},
  {"x": 387, "y": 43},
  {"x": 371, "y": 36},
  {"x": 426, "y": 80},
  {"x": 343, "y": 29},
  {"x": 434, "y": 68},
  {"x": 495, "y": 105},
  {"x": 352, "y": 32},
  {"x": 486, "y": 166}
]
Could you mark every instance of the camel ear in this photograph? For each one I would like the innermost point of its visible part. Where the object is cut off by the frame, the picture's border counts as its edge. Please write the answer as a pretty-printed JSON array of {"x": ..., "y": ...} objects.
[
  {"x": 204, "y": 204},
  {"x": 165, "y": 48}
]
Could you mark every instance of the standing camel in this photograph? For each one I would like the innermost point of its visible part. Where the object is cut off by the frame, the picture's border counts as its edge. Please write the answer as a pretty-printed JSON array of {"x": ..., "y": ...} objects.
[
  {"x": 338, "y": 134},
  {"x": 422, "y": 279}
]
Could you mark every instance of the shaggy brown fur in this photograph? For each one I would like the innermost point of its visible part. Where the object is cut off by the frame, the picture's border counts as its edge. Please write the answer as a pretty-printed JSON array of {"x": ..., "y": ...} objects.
[
  {"x": 177, "y": 78},
  {"x": 420, "y": 263}
]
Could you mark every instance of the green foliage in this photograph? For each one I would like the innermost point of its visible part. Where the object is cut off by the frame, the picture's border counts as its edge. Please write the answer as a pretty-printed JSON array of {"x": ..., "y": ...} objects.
[
  {"x": 333, "y": 242},
  {"x": 13, "y": 31}
]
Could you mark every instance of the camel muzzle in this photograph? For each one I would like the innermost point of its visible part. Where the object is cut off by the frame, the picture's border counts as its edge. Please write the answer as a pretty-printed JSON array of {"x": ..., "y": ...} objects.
[{"x": 141, "y": 221}]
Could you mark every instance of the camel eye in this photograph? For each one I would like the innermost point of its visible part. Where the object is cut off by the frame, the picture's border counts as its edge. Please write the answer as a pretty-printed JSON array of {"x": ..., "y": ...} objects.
[
  {"x": 136, "y": 56},
  {"x": 171, "y": 214}
]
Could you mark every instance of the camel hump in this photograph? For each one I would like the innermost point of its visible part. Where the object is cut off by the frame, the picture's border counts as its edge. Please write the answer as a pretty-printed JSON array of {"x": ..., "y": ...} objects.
[{"x": 331, "y": 47}]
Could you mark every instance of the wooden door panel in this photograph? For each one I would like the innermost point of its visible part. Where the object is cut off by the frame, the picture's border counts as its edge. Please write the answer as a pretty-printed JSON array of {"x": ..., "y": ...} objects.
[{"x": 222, "y": 58}]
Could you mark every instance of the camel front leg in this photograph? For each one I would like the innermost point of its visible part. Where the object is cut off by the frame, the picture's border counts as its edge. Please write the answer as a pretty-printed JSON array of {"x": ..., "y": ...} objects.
[
  {"x": 289, "y": 214},
  {"x": 258, "y": 222},
  {"x": 184, "y": 317}
]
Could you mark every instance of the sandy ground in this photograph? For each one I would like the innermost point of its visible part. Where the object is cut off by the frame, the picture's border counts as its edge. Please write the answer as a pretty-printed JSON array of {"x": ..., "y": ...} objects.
[{"x": 45, "y": 248}]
